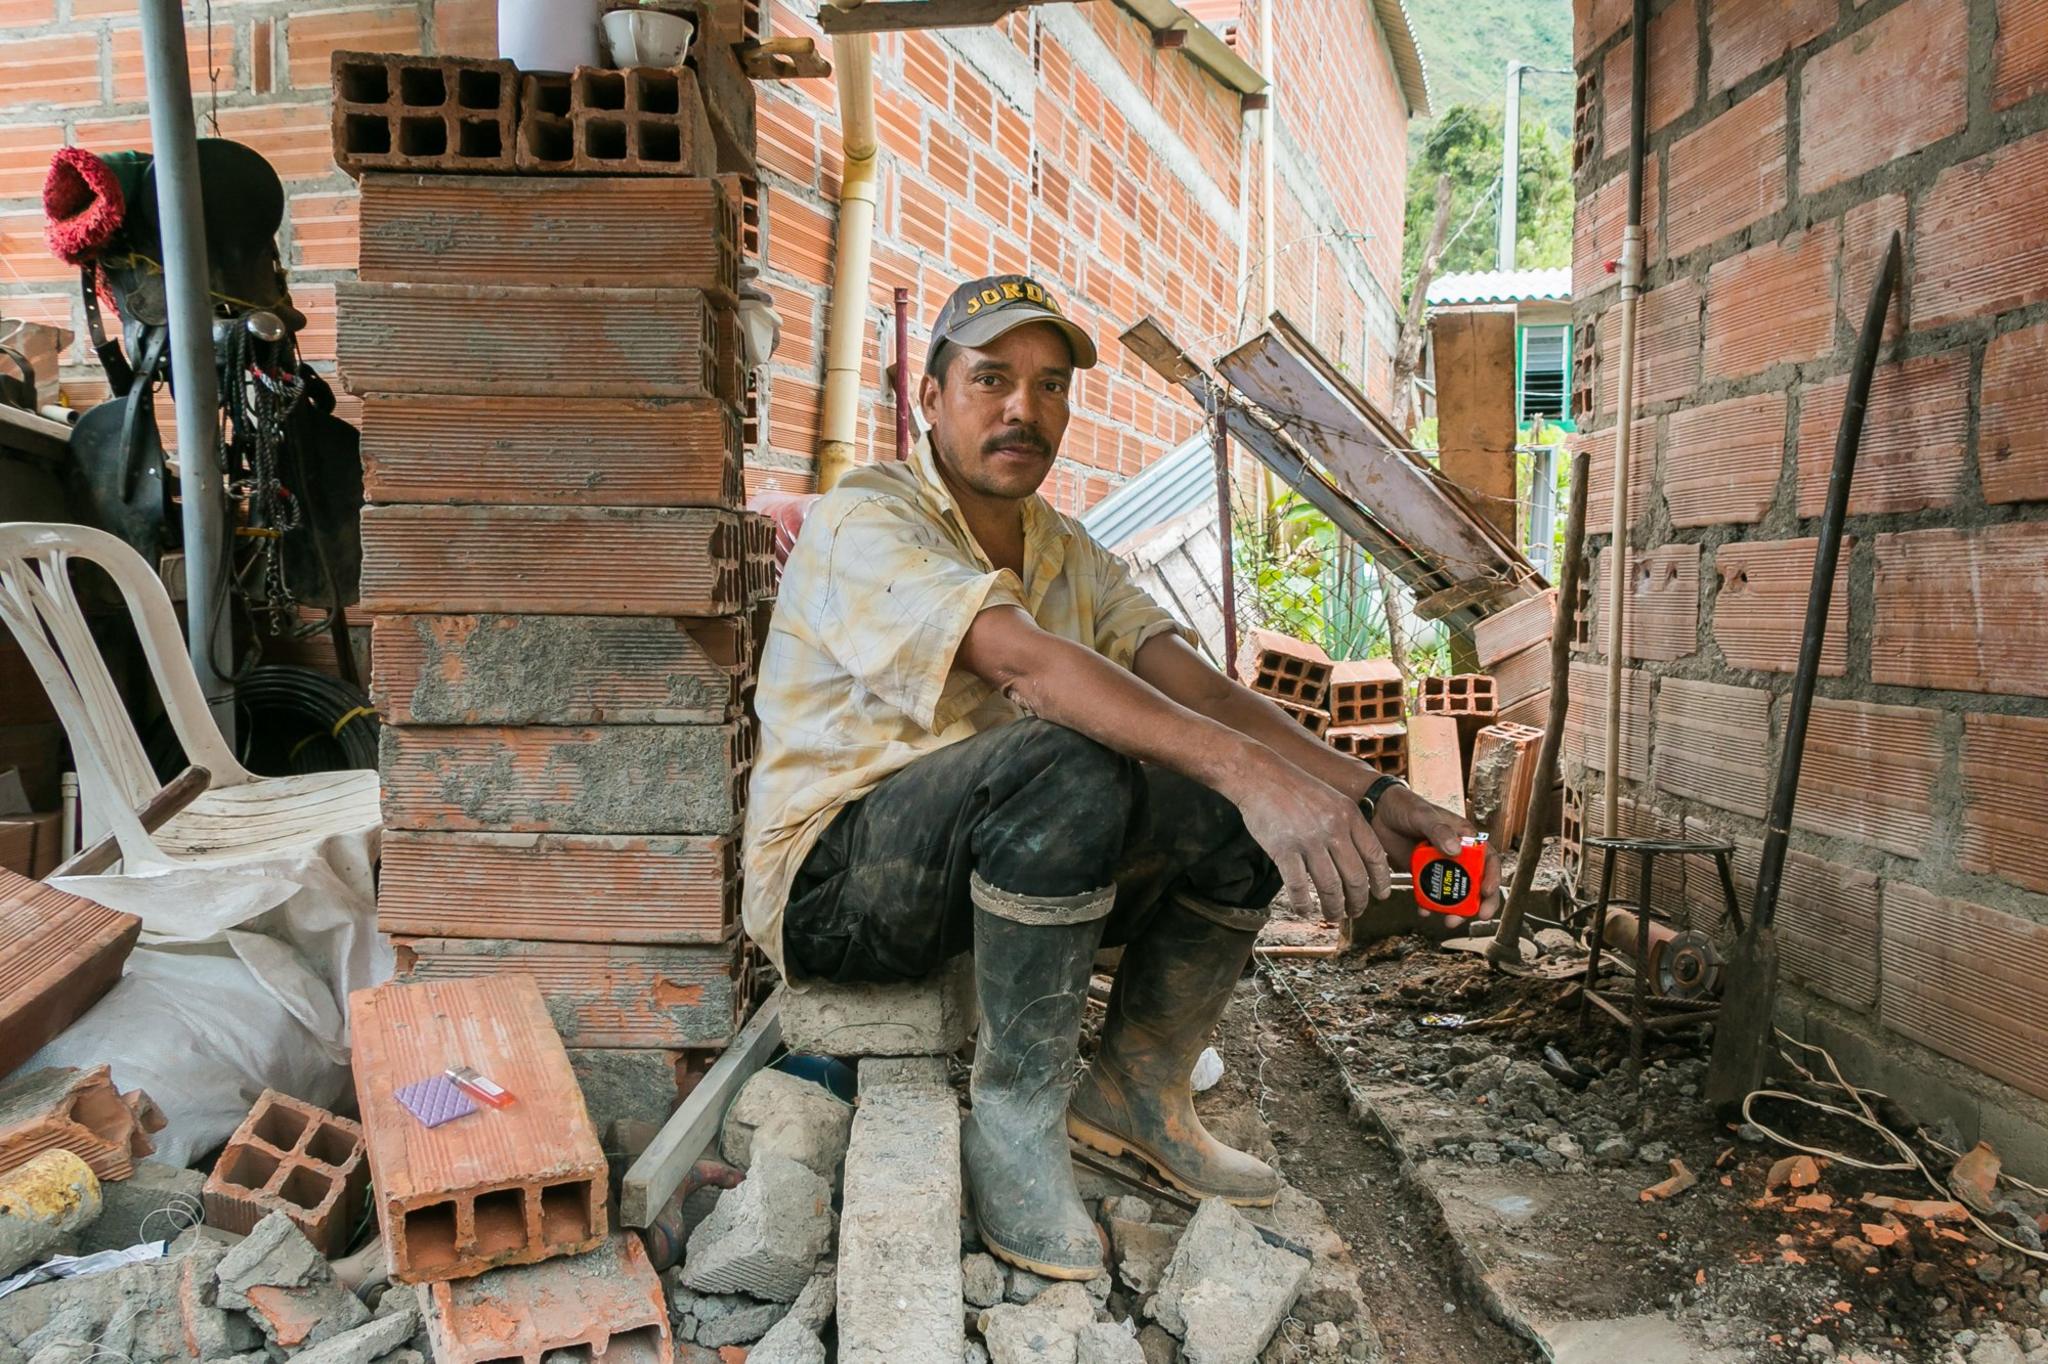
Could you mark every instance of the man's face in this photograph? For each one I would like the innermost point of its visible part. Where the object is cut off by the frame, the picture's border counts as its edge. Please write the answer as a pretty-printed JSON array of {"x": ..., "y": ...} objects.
[{"x": 997, "y": 421}]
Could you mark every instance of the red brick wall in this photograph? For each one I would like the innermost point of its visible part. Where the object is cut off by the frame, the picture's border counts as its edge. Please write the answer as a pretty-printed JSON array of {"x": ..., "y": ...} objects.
[
  {"x": 1790, "y": 138},
  {"x": 1042, "y": 169}
]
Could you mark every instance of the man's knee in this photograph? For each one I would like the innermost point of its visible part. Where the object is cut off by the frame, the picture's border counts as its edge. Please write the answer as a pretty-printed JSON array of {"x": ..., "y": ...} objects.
[{"x": 1077, "y": 773}]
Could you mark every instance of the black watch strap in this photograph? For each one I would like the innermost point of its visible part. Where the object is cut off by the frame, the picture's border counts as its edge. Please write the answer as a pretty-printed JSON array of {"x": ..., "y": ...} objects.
[{"x": 1370, "y": 801}]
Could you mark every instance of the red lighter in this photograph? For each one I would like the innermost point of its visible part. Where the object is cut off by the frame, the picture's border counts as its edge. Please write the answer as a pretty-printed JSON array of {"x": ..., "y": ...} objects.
[{"x": 1449, "y": 885}]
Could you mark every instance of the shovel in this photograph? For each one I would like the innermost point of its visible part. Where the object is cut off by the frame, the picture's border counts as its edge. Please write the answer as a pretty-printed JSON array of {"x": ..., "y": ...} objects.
[{"x": 1745, "y": 1030}]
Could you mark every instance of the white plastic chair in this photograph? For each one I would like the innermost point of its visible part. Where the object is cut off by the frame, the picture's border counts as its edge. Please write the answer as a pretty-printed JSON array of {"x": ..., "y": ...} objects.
[{"x": 241, "y": 816}]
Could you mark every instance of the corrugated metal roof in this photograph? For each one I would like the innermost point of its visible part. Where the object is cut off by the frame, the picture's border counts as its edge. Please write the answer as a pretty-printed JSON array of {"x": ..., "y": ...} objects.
[
  {"x": 1407, "y": 55},
  {"x": 1176, "y": 483},
  {"x": 1502, "y": 286}
]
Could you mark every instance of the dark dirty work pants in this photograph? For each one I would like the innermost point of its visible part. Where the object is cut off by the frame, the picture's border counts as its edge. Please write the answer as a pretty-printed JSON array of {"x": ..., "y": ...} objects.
[{"x": 1037, "y": 809}]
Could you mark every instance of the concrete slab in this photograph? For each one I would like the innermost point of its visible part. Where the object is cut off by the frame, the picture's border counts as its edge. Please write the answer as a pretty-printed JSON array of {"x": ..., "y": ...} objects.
[
  {"x": 900, "y": 1294},
  {"x": 927, "y": 1018}
]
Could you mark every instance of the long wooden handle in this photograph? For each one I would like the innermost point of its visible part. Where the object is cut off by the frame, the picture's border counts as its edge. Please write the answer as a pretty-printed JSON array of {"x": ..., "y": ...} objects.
[{"x": 154, "y": 814}]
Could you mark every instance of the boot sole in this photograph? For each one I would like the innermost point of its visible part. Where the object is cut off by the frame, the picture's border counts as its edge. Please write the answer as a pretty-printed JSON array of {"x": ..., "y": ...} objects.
[
  {"x": 1043, "y": 1269},
  {"x": 1095, "y": 1139}
]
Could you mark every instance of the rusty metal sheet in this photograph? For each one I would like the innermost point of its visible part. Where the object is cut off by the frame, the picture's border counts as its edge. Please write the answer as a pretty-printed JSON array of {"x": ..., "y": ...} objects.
[{"x": 1332, "y": 422}]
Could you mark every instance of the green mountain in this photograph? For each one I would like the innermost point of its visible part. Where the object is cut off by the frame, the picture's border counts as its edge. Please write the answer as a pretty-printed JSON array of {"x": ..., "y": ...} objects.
[{"x": 1467, "y": 45}]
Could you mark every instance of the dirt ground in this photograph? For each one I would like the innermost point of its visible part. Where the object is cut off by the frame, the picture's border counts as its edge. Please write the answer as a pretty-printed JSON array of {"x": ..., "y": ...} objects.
[{"x": 1771, "y": 1273}]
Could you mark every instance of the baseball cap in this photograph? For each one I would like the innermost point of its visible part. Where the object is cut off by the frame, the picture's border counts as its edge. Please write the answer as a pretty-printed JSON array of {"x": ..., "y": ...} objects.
[{"x": 983, "y": 309}]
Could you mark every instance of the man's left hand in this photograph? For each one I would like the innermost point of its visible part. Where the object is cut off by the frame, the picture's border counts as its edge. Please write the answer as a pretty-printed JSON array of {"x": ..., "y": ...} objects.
[{"x": 1403, "y": 820}]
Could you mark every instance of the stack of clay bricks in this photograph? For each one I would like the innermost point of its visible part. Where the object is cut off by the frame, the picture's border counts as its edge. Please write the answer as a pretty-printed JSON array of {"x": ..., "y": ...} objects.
[
  {"x": 1513, "y": 648},
  {"x": 1293, "y": 673},
  {"x": 564, "y": 589},
  {"x": 499, "y": 1215},
  {"x": 1368, "y": 716}
]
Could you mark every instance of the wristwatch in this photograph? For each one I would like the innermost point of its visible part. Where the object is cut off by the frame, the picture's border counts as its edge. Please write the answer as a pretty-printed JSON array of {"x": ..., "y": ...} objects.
[{"x": 1369, "y": 803}]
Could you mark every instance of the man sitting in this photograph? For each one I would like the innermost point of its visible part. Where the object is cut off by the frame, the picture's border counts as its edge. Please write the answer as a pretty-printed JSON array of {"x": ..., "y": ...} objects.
[{"x": 978, "y": 735}]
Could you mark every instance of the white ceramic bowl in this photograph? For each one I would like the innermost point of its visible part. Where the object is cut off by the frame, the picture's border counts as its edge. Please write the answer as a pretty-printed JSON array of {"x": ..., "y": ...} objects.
[{"x": 646, "y": 37}]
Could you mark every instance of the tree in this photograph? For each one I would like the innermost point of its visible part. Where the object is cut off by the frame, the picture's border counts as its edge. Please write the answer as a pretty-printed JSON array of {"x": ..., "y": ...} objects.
[{"x": 1465, "y": 144}]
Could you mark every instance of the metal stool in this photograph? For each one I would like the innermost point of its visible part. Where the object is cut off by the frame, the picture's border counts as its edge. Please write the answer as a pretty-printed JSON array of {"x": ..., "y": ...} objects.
[{"x": 1679, "y": 1012}]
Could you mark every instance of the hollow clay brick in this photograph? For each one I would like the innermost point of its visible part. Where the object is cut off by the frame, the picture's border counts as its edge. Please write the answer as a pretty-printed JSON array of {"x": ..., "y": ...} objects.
[
  {"x": 653, "y": 232},
  {"x": 601, "y": 994},
  {"x": 1285, "y": 668},
  {"x": 1384, "y": 746},
  {"x": 394, "y": 111},
  {"x": 558, "y": 887},
  {"x": 1760, "y": 605},
  {"x": 551, "y": 561},
  {"x": 551, "y": 452},
  {"x": 1311, "y": 718},
  {"x": 58, "y": 954},
  {"x": 500, "y": 1186},
  {"x": 1937, "y": 952},
  {"x": 620, "y": 779},
  {"x": 495, "y": 669},
  {"x": 637, "y": 121},
  {"x": 1435, "y": 769},
  {"x": 605, "y": 1304},
  {"x": 293, "y": 1158},
  {"x": 58, "y": 1108},
  {"x": 1458, "y": 694},
  {"x": 1365, "y": 692},
  {"x": 519, "y": 340},
  {"x": 1520, "y": 676}
]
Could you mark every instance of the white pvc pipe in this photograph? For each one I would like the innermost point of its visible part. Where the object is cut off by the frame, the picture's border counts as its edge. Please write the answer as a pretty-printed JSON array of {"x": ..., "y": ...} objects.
[
  {"x": 853, "y": 65},
  {"x": 1617, "y": 549}
]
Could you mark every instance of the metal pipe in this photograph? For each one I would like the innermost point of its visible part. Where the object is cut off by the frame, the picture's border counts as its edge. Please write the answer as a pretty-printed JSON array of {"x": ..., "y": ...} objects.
[
  {"x": 1624, "y": 416},
  {"x": 902, "y": 373},
  {"x": 190, "y": 306},
  {"x": 853, "y": 65},
  {"x": 1510, "y": 164},
  {"x": 1219, "y": 438}
]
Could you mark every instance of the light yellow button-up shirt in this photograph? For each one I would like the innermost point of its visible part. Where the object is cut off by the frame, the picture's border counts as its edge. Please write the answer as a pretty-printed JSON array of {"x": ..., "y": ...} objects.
[{"x": 857, "y": 679}]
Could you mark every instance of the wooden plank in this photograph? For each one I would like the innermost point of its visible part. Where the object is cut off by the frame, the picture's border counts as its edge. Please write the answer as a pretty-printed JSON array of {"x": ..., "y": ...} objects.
[
  {"x": 1475, "y": 405},
  {"x": 893, "y": 16},
  {"x": 658, "y": 1173}
]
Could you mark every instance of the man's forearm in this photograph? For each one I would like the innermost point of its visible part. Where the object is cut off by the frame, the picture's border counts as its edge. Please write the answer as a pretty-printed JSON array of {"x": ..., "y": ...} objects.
[{"x": 1060, "y": 681}]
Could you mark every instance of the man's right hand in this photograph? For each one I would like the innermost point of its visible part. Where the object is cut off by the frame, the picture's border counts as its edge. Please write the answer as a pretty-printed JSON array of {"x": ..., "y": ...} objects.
[{"x": 1315, "y": 834}]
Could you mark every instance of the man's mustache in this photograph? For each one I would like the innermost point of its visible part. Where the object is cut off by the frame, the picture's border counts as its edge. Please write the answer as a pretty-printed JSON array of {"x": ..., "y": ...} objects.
[{"x": 1022, "y": 439}]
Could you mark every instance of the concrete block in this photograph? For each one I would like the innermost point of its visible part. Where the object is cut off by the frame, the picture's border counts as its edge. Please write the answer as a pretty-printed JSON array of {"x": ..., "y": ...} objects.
[
  {"x": 551, "y": 561},
  {"x": 639, "y": 121},
  {"x": 926, "y": 1018},
  {"x": 1107, "y": 1342},
  {"x": 58, "y": 954},
  {"x": 900, "y": 1295},
  {"x": 1226, "y": 1291},
  {"x": 292, "y": 1158},
  {"x": 500, "y": 1186},
  {"x": 714, "y": 1320},
  {"x": 790, "y": 1342},
  {"x": 1285, "y": 668},
  {"x": 602, "y": 994},
  {"x": 665, "y": 232},
  {"x": 615, "y": 888},
  {"x": 374, "y": 1340},
  {"x": 481, "y": 339},
  {"x": 766, "y": 1236},
  {"x": 60, "y": 1108},
  {"x": 779, "y": 1114},
  {"x": 155, "y": 1202},
  {"x": 617, "y": 779},
  {"x": 555, "y": 452},
  {"x": 632, "y": 1085},
  {"x": 394, "y": 111},
  {"x": 603, "y": 1304},
  {"x": 283, "y": 1281},
  {"x": 1045, "y": 1331}
]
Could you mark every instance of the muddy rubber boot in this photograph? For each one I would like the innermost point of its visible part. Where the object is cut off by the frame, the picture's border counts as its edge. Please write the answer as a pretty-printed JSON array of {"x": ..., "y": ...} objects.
[
  {"x": 1032, "y": 959},
  {"x": 1171, "y": 989}
]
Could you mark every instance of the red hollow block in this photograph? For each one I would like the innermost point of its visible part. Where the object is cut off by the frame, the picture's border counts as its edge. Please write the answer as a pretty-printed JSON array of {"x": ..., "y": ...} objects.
[{"x": 293, "y": 1158}]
